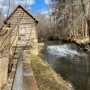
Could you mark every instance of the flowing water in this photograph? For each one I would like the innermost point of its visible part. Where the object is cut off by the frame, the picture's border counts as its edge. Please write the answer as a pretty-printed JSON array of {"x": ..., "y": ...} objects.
[{"x": 70, "y": 62}]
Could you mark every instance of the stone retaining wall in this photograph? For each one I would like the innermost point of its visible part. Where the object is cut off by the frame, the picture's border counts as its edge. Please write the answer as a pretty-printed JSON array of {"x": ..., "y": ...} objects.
[
  {"x": 29, "y": 82},
  {"x": 28, "y": 76}
]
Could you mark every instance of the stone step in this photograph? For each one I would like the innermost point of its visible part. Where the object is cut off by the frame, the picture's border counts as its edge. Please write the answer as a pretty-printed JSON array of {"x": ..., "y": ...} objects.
[
  {"x": 27, "y": 71},
  {"x": 8, "y": 87},
  {"x": 10, "y": 81},
  {"x": 16, "y": 56},
  {"x": 11, "y": 75}
]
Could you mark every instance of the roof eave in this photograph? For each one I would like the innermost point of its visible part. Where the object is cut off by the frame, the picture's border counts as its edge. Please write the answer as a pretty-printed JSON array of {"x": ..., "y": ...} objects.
[{"x": 25, "y": 11}]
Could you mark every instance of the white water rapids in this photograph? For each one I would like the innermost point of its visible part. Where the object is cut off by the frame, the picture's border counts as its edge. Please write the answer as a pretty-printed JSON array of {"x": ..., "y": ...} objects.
[{"x": 62, "y": 50}]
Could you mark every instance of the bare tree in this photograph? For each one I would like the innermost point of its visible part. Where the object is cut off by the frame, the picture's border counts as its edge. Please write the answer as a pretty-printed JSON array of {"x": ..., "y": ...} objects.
[
  {"x": 1, "y": 19},
  {"x": 86, "y": 6},
  {"x": 46, "y": 26}
]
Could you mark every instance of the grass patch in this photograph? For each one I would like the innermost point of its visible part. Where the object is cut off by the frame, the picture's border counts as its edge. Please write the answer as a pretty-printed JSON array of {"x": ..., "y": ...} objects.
[{"x": 46, "y": 78}]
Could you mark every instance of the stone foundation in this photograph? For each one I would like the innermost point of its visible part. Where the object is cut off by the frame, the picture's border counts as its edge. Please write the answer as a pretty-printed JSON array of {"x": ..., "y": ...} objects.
[{"x": 29, "y": 82}]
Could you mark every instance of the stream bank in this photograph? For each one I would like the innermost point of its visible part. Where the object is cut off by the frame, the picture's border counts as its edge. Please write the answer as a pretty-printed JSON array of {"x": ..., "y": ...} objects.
[
  {"x": 83, "y": 44},
  {"x": 68, "y": 60},
  {"x": 47, "y": 78}
]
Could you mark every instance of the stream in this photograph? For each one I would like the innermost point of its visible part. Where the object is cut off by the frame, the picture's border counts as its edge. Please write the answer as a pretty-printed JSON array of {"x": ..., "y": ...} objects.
[{"x": 70, "y": 62}]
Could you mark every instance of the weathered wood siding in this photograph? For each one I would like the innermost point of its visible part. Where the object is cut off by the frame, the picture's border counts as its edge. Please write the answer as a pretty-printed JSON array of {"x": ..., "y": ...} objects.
[{"x": 22, "y": 19}]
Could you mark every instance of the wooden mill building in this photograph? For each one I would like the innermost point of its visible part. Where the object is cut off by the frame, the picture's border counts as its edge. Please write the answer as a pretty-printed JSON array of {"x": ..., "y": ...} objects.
[
  {"x": 19, "y": 30},
  {"x": 23, "y": 28}
]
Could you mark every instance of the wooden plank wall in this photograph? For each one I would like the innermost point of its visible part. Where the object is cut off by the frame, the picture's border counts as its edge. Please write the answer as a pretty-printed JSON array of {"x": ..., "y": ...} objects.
[{"x": 21, "y": 19}]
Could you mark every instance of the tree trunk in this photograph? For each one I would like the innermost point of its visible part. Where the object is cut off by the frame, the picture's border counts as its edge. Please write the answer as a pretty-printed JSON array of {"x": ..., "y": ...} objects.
[
  {"x": 89, "y": 33},
  {"x": 74, "y": 29},
  {"x": 83, "y": 28},
  {"x": 86, "y": 14},
  {"x": 77, "y": 31},
  {"x": 86, "y": 29},
  {"x": 88, "y": 22}
]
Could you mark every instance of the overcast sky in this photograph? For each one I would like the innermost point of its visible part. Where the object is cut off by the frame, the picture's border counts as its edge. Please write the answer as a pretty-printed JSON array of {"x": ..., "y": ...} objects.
[{"x": 33, "y": 5}]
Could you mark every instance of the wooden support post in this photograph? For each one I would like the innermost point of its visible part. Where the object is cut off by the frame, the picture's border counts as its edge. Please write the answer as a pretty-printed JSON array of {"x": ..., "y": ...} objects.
[{"x": 4, "y": 55}]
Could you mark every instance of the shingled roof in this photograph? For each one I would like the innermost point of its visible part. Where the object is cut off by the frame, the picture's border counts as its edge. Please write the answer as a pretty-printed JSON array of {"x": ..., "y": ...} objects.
[{"x": 20, "y": 6}]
